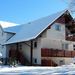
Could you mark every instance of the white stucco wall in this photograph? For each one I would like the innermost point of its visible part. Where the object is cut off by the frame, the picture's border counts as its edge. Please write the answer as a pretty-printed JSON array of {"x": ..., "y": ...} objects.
[
  {"x": 56, "y": 44},
  {"x": 55, "y": 34},
  {"x": 49, "y": 43},
  {"x": 26, "y": 50},
  {"x": 65, "y": 60},
  {"x": 37, "y": 51}
]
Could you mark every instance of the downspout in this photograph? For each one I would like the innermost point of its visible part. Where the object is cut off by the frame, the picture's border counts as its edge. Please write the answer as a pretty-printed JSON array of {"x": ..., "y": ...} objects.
[
  {"x": 31, "y": 53},
  {"x": 17, "y": 52}
]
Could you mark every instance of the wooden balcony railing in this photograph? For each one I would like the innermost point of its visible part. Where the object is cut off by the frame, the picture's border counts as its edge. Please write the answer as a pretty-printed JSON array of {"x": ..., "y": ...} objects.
[
  {"x": 56, "y": 53},
  {"x": 70, "y": 38}
]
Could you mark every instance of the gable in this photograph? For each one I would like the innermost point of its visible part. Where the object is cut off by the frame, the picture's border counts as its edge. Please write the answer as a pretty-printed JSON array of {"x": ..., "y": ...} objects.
[
  {"x": 31, "y": 30},
  {"x": 1, "y": 30}
]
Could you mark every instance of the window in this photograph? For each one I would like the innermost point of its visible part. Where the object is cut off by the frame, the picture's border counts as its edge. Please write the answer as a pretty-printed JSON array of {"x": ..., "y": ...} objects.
[
  {"x": 61, "y": 62},
  {"x": 2, "y": 46},
  {"x": 57, "y": 27},
  {"x": 20, "y": 46},
  {"x": 35, "y": 60},
  {"x": 65, "y": 46},
  {"x": 35, "y": 44},
  {"x": 74, "y": 47}
]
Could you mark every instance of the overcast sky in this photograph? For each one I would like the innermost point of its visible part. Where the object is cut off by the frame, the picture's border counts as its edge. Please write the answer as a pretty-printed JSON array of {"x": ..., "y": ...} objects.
[{"x": 23, "y": 11}]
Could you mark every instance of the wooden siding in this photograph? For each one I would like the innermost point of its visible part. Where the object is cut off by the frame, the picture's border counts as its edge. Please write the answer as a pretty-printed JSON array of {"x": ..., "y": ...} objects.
[
  {"x": 49, "y": 62},
  {"x": 61, "y": 20},
  {"x": 56, "y": 53}
]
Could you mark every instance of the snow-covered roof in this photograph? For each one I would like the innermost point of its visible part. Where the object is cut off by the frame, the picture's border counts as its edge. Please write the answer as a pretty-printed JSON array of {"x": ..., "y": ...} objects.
[
  {"x": 31, "y": 30},
  {"x": 13, "y": 29}
]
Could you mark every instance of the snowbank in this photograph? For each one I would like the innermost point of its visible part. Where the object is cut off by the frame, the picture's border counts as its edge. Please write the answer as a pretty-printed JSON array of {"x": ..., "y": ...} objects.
[{"x": 65, "y": 69}]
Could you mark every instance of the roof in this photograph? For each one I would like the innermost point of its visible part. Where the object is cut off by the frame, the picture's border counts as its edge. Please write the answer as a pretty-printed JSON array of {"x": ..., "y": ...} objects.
[
  {"x": 31, "y": 30},
  {"x": 13, "y": 29}
]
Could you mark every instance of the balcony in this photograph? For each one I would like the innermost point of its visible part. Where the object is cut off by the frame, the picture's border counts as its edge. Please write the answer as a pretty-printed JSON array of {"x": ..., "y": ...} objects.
[
  {"x": 56, "y": 53},
  {"x": 70, "y": 37}
]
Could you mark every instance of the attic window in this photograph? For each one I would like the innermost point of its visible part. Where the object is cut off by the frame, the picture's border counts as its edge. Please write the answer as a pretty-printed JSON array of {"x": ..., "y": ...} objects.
[{"x": 57, "y": 27}]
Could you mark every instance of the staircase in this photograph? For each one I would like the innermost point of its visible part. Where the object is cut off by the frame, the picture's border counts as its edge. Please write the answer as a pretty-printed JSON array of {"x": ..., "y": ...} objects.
[
  {"x": 21, "y": 58},
  {"x": 48, "y": 62}
]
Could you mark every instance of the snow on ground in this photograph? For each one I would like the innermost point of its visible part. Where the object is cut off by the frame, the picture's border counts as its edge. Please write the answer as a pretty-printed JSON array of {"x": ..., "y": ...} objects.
[{"x": 25, "y": 70}]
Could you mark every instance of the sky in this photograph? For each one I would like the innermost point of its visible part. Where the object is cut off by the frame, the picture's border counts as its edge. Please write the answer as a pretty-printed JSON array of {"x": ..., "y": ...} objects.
[{"x": 23, "y": 11}]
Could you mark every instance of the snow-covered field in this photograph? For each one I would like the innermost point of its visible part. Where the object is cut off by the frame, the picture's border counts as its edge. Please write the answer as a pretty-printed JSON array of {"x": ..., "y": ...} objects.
[{"x": 24, "y": 70}]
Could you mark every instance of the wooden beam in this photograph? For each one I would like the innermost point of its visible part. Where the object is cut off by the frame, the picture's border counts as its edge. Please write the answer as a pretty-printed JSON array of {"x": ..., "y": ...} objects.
[
  {"x": 27, "y": 44},
  {"x": 31, "y": 53},
  {"x": 17, "y": 46}
]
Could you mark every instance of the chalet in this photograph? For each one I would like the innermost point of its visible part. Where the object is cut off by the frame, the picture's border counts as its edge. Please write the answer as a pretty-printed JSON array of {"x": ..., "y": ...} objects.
[{"x": 48, "y": 41}]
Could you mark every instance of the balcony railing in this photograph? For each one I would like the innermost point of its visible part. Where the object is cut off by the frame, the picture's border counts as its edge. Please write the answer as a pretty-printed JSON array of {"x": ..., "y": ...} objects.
[
  {"x": 70, "y": 37},
  {"x": 56, "y": 53}
]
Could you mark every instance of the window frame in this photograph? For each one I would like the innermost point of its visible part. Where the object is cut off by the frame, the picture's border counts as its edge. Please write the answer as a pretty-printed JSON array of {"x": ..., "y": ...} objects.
[
  {"x": 73, "y": 47},
  {"x": 57, "y": 27},
  {"x": 65, "y": 46},
  {"x": 35, "y": 44}
]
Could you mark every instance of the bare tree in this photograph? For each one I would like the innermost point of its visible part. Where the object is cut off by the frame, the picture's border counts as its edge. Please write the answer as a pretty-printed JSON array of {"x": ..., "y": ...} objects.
[{"x": 71, "y": 5}]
